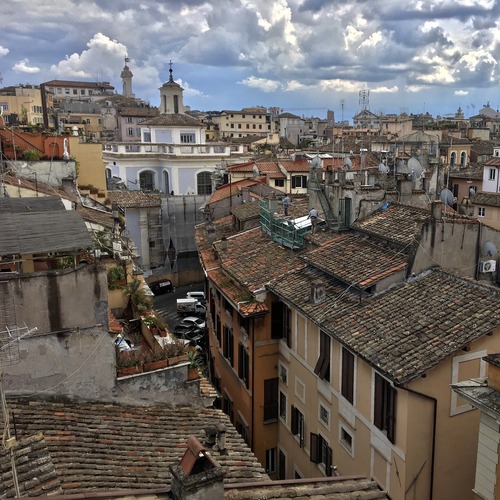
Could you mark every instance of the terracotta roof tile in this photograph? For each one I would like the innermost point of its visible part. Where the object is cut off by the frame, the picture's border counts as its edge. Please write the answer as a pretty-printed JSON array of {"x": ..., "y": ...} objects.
[
  {"x": 493, "y": 162},
  {"x": 133, "y": 199},
  {"x": 355, "y": 259},
  {"x": 488, "y": 199},
  {"x": 228, "y": 190},
  {"x": 247, "y": 211},
  {"x": 435, "y": 318},
  {"x": 109, "y": 447},
  {"x": 173, "y": 120}
]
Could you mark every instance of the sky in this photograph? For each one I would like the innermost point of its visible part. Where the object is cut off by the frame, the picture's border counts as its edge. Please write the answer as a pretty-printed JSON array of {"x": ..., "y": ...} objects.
[{"x": 304, "y": 56}]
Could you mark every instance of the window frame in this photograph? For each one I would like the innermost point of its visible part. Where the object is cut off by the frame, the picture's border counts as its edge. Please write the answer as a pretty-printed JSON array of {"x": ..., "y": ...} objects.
[
  {"x": 297, "y": 426},
  {"x": 384, "y": 407},
  {"x": 348, "y": 374},
  {"x": 323, "y": 365},
  {"x": 320, "y": 452}
]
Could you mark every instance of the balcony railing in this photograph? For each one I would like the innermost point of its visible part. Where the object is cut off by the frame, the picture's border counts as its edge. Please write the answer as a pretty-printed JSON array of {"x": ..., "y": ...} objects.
[{"x": 148, "y": 148}]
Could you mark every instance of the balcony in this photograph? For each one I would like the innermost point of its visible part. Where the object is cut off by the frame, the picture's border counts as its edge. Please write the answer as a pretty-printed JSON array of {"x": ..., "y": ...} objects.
[{"x": 153, "y": 149}]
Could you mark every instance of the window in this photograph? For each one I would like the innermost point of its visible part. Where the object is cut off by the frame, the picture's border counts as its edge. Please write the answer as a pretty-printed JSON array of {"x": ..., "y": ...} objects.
[
  {"x": 228, "y": 348},
  {"x": 279, "y": 182},
  {"x": 204, "y": 183},
  {"x": 75, "y": 91},
  {"x": 283, "y": 406},
  {"x": 320, "y": 452},
  {"x": 481, "y": 211},
  {"x": 299, "y": 181},
  {"x": 227, "y": 407},
  {"x": 280, "y": 322},
  {"x": 348, "y": 375},
  {"x": 492, "y": 174},
  {"x": 130, "y": 131},
  {"x": 129, "y": 119},
  {"x": 176, "y": 105},
  {"x": 271, "y": 461},
  {"x": 324, "y": 415},
  {"x": 282, "y": 466},
  {"x": 322, "y": 369},
  {"x": 346, "y": 439},
  {"x": 188, "y": 138},
  {"x": 297, "y": 425},
  {"x": 146, "y": 180},
  {"x": 384, "y": 416},
  {"x": 243, "y": 364},
  {"x": 218, "y": 329},
  {"x": 271, "y": 399},
  {"x": 147, "y": 136},
  {"x": 284, "y": 374},
  {"x": 166, "y": 183},
  {"x": 82, "y": 92}
]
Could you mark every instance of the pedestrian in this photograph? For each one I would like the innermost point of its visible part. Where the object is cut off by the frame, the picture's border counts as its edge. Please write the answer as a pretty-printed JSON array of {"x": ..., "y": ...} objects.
[
  {"x": 286, "y": 203},
  {"x": 313, "y": 215}
]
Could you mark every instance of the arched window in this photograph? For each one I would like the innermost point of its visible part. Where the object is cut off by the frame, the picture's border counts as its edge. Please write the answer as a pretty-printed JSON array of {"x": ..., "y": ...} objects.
[
  {"x": 147, "y": 180},
  {"x": 166, "y": 183},
  {"x": 204, "y": 183},
  {"x": 108, "y": 173},
  {"x": 453, "y": 158},
  {"x": 463, "y": 158}
]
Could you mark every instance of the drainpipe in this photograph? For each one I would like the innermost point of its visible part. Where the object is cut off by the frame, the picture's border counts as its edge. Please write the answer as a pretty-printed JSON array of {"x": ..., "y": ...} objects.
[
  {"x": 252, "y": 324},
  {"x": 434, "y": 400}
]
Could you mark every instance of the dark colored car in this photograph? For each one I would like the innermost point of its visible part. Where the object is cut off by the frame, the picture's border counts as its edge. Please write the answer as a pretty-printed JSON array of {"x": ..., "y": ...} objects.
[
  {"x": 195, "y": 336},
  {"x": 161, "y": 286}
]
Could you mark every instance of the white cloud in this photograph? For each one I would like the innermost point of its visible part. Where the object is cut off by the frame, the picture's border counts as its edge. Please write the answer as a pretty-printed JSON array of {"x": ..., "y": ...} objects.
[
  {"x": 188, "y": 91},
  {"x": 104, "y": 57},
  {"x": 341, "y": 85},
  {"x": 385, "y": 90},
  {"x": 260, "y": 83},
  {"x": 372, "y": 40},
  {"x": 3, "y": 51},
  {"x": 414, "y": 88},
  {"x": 461, "y": 92},
  {"x": 23, "y": 67}
]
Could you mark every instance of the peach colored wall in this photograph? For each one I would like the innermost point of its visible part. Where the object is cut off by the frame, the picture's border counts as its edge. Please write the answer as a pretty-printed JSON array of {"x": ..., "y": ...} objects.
[{"x": 91, "y": 169}]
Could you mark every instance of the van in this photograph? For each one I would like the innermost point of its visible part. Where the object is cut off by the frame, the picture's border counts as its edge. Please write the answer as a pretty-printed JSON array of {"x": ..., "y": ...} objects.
[{"x": 200, "y": 296}]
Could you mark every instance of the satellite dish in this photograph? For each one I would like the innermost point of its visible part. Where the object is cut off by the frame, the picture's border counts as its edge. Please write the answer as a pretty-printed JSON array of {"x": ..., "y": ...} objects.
[
  {"x": 415, "y": 168},
  {"x": 315, "y": 162},
  {"x": 402, "y": 168},
  {"x": 347, "y": 163},
  {"x": 489, "y": 248},
  {"x": 255, "y": 170},
  {"x": 447, "y": 197},
  {"x": 472, "y": 191},
  {"x": 383, "y": 168}
]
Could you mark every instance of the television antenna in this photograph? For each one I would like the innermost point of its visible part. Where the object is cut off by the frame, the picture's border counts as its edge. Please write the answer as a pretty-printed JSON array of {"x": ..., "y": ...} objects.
[{"x": 10, "y": 335}]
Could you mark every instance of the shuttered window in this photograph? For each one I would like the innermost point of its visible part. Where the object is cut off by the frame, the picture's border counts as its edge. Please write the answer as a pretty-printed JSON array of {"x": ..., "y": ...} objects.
[
  {"x": 384, "y": 416},
  {"x": 348, "y": 375},
  {"x": 320, "y": 452},
  {"x": 322, "y": 368}
]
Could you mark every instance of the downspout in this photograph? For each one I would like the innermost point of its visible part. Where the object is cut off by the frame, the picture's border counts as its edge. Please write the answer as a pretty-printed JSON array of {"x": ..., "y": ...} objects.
[
  {"x": 434, "y": 400},
  {"x": 253, "y": 381}
]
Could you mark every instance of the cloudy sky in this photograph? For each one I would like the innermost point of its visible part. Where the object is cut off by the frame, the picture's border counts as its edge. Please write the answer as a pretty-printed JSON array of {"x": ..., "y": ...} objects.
[{"x": 305, "y": 56}]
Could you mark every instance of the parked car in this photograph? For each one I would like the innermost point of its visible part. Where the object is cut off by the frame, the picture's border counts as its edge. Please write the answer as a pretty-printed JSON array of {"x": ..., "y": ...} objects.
[
  {"x": 193, "y": 321},
  {"x": 192, "y": 335},
  {"x": 161, "y": 286}
]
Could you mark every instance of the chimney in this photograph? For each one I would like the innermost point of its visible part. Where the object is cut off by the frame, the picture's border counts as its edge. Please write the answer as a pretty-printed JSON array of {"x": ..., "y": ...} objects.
[
  {"x": 221, "y": 439},
  {"x": 197, "y": 476},
  {"x": 245, "y": 192},
  {"x": 223, "y": 243},
  {"x": 318, "y": 292},
  {"x": 437, "y": 210}
]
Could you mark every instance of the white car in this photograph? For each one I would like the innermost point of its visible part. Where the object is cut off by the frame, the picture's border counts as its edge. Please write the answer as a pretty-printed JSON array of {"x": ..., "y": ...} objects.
[{"x": 193, "y": 321}]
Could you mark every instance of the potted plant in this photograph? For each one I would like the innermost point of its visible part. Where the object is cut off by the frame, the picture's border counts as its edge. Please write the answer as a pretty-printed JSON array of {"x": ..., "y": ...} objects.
[
  {"x": 156, "y": 361},
  {"x": 117, "y": 277},
  {"x": 176, "y": 352},
  {"x": 128, "y": 366},
  {"x": 194, "y": 365}
]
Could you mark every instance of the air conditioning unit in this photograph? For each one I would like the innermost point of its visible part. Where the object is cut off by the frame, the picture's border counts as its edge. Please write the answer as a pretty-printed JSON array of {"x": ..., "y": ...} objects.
[{"x": 487, "y": 266}]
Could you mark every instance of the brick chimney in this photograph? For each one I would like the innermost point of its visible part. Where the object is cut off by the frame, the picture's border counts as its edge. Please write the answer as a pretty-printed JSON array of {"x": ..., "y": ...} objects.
[
  {"x": 318, "y": 292},
  {"x": 197, "y": 476}
]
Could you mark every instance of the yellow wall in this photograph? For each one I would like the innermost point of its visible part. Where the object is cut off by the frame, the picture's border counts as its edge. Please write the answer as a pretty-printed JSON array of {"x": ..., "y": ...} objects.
[{"x": 91, "y": 169}]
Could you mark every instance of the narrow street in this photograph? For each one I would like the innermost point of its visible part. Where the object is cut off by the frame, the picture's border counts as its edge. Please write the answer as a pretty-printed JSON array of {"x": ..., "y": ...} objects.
[{"x": 166, "y": 305}]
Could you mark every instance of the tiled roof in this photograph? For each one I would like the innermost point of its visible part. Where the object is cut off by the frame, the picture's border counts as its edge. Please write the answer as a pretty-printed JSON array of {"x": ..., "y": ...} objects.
[
  {"x": 231, "y": 189},
  {"x": 410, "y": 328},
  {"x": 252, "y": 259},
  {"x": 247, "y": 211},
  {"x": 35, "y": 469},
  {"x": 295, "y": 288},
  {"x": 475, "y": 173},
  {"x": 107, "y": 447},
  {"x": 94, "y": 216},
  {"x": 480, "y": 395},
  {"x": 173, "y": 120},
  {"x": 493, "y": 162},
  {"x": 138, "y": 111},
  {"x": 356, "y": 260},
  {"x": 334, "y": 488},
  {"x": 134, "y": 199},
  {"x": 488, "y": 199},
  {"x": 397, "y": 223},
  {"x": 295, "y": 166}
]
